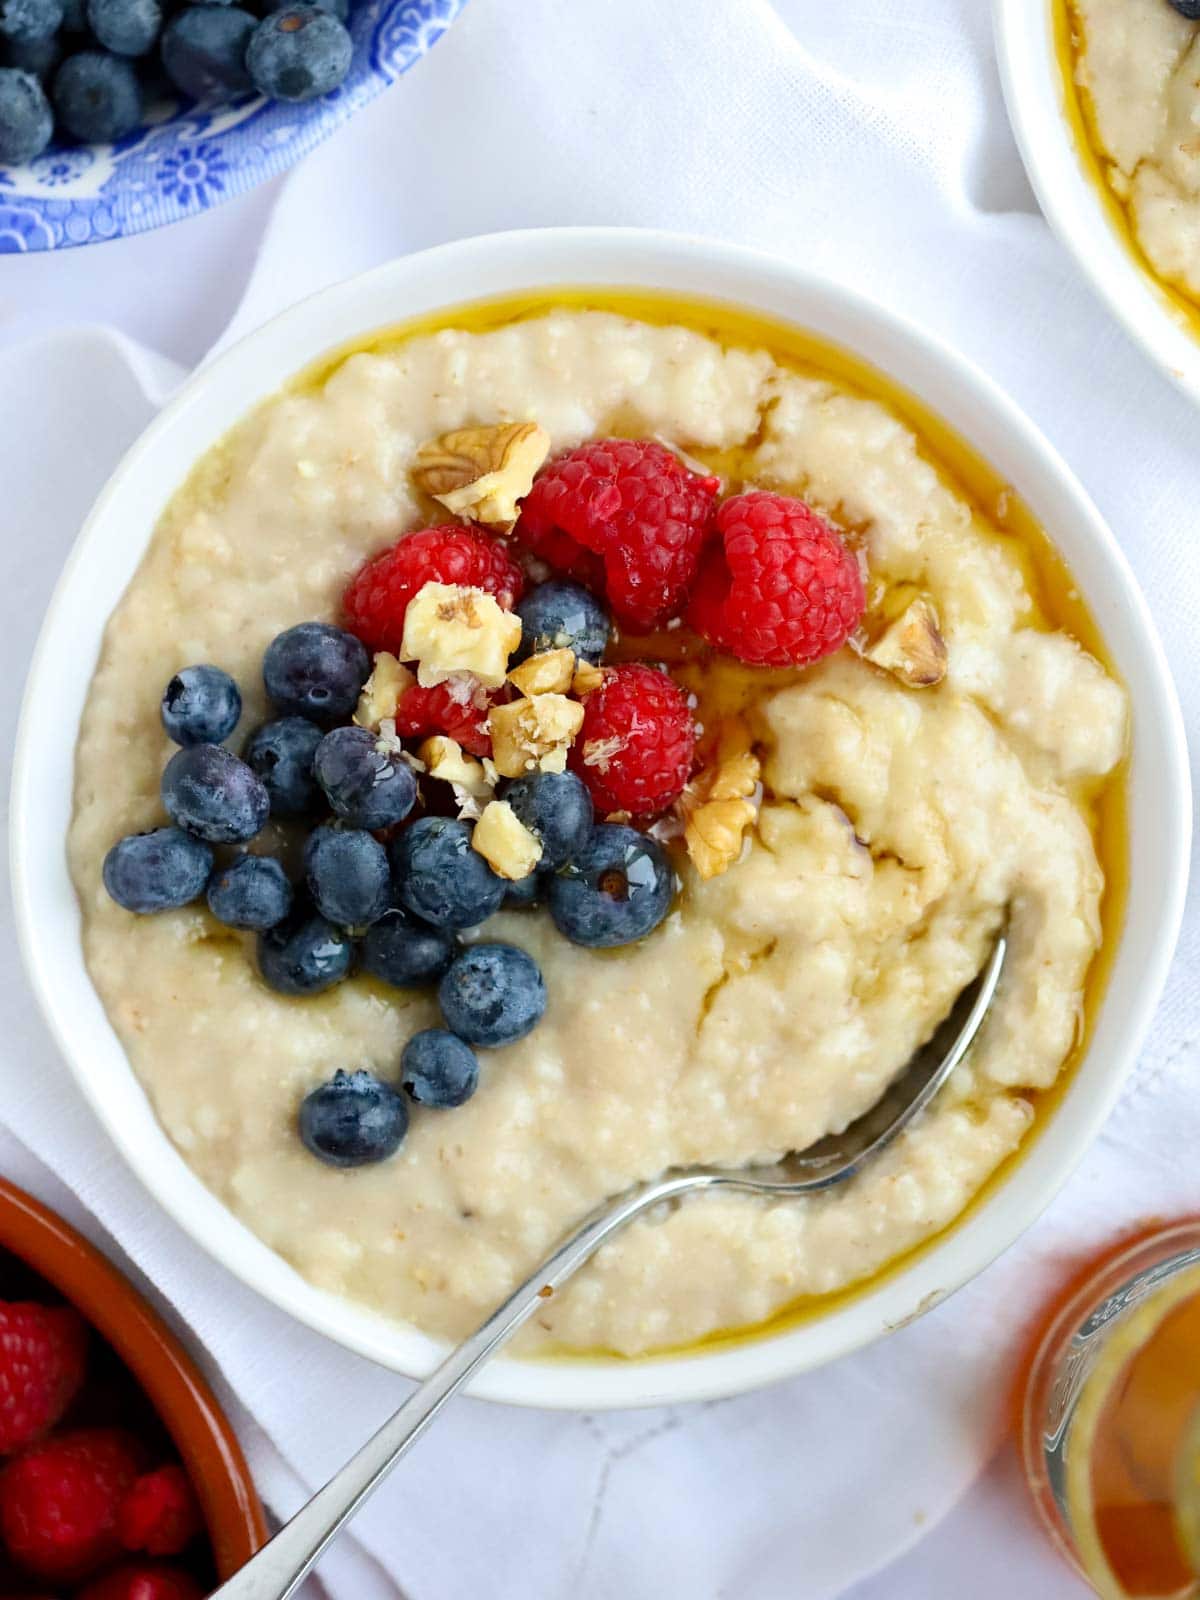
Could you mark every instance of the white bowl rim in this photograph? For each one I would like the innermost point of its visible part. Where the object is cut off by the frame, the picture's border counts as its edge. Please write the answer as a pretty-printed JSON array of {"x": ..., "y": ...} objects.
[
  {"x": 1031, "y": 77},
  {"x": 616, "y": 258}
]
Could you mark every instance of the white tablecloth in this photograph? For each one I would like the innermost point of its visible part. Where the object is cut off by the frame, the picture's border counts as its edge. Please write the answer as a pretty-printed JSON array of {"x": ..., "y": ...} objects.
[{"x": 871, "y": 143}]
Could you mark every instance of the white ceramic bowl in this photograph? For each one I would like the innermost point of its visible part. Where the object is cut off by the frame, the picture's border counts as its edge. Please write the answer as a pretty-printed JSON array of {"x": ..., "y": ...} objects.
[
  {"x": 112, "y": 542},
  {"x": 1068, "y": 194}
]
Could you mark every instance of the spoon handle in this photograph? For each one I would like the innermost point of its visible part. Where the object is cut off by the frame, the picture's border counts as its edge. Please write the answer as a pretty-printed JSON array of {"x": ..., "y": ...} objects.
[{"x": 281, "y": 1565}]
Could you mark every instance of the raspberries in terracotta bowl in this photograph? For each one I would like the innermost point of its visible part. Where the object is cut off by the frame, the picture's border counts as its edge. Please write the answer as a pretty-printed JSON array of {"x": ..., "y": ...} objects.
[{"x": 120, "y": 1479}]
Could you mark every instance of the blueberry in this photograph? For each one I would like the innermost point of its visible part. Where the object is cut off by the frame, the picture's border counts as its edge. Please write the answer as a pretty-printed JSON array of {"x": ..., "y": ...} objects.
[
  {"x": 438, "y": 1069},
  {"x": 440, "y": 878},
  {"x": 557, "y": 809},
  {"x": 404, "y": 952},
  {"x": 74, "y": 16},
  {"x": 314, "y": 669},
  {"x": 562, "y": 616},
  {"x": 1188, "y": 8},
  {"x": 97, "y": 97},
  {"x": 252, "y": 892},
  {"x": 348, "y": 875},
  {"x": 524, "y": 892},
  {"x": 616, "y": 890},
  {"x": 299, "y": 53},
  {"x": 366, "y": 784},
  {"x": 201, "y": 705},
  {"x": 26, "y": 121},
  {"x": 281, "y": 754},
  {"x": 212, "y": 794},
  {"x": 493, "y": 994},
  {"x": 157, "y": 870},
  {"x": 126, "y": 27},
  {"x": 303, "y": 954},
  {"x": 204, "y": 54},
  {"x": 38, "y": 56},
  {"x": 30, "y": 19},
  {"x": 354, "y": 1119}
]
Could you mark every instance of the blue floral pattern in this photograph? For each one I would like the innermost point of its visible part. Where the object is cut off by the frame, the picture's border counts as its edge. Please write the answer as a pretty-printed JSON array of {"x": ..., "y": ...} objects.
[{"x": 196, "y": 158}]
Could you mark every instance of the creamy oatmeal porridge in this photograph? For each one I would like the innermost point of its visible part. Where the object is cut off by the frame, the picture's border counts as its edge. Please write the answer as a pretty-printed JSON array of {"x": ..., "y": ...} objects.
[
  {"x": 776, "y": 999},
  {"x": 1136, "y": 67}
]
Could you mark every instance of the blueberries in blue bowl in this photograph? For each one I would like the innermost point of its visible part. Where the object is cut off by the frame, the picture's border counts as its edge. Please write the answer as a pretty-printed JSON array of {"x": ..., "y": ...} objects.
[
  {"x": 298, "y": 53},
  {"x": 252, "y": 893},
  {"x": 212, "y": 794},
  {"x": 348, "y": 875},
  {"x": 441, "y": 878},
  {"x": 438, "y": 1069},
  {"x": 404, "y": 952},
  {"x": 557, "y": 809},
  {"x": 493, "y": 994},
  {"x": 97, "y": 97},
  {"x": 314, "y": 669},
  {"x": 305, "y": 954},
  {"x": 280, "y": 754},
  {"x": 26, "y": 120},
  {"x": 201, "y": 705},
  {"x": 616, "y": 890},
  {"x": 204, "y": 54},
  {"x": 366, "y": 784},
  {"x": 157, "y": 871},
  {"x": 563, "y": 616},
  {"x": 353, "y": 1120}
]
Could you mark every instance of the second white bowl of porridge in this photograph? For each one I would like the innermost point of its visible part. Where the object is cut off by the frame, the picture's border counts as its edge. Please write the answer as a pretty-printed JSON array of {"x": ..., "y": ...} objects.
[
  {"x": 1103, "y": 99},
  {"x": 996, "y": 736}
]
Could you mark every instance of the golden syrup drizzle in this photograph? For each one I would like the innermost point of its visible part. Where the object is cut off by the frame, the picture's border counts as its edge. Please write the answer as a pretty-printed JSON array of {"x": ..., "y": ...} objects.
[
  {"x": 1000, "y": 514},
  {"x": 1070, "y": 43}
]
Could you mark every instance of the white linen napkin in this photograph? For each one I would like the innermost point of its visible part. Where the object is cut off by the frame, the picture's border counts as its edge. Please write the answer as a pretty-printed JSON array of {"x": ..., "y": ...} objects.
[{"x": 870, "y": 143}]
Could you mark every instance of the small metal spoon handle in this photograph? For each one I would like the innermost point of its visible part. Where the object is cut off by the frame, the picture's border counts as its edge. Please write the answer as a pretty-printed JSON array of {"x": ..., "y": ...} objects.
[{"x": 281, "y": 1566}]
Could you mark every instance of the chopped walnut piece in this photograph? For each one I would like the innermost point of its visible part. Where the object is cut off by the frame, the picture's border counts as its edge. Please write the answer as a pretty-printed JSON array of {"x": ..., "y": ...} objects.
[
  {"x": 504, "y": 842},
  {"x": 550, "y": 672},
  {"x": 450, "y": 629},
  {"x": 587, "y": 677},
  {"x": 527, "y": 732},
  {"x": 382, "y": 690},
  {"x": 480, "y": 474},
  {"x": 717, "y": 809},
  {"x": 445, "y": 758},
  {"x": 912, "y": 648}
]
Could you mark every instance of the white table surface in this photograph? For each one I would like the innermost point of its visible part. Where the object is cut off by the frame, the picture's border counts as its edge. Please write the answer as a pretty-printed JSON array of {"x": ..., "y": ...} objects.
[{"x": 175, "y": 290}]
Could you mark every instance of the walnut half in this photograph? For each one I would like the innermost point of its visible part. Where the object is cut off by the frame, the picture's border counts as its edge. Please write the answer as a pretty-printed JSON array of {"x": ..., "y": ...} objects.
[
  {"x": 481, "y": 473},
  {"x": 717, "y": 809},
  {"x": 912, "y": 648}
]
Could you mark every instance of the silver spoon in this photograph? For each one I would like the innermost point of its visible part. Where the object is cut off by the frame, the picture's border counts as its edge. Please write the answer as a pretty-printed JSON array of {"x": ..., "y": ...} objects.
[{"x": 281, "y": 1566}]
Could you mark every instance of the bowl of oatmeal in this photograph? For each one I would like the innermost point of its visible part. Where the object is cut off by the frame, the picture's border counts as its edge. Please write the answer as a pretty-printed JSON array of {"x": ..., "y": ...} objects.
[
  {"x": 1103, "y": 99},
  {"x": 858, "y": 673}
]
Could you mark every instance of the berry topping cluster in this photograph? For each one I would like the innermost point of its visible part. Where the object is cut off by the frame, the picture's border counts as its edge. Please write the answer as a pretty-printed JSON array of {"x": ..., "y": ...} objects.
[
  {"x": 473, "y": 740},
  {"x": 86, "y": 1509}
]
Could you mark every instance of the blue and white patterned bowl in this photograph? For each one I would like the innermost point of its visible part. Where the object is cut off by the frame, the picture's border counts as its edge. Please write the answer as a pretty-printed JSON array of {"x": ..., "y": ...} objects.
[{"x": 189, "y": 161}]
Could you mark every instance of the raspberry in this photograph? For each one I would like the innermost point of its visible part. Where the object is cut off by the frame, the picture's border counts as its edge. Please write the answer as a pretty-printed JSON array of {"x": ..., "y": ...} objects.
[
  {"x": 377, "y": 597},
  {"x": 443, "y": 709},
  {"x": 781, "y": 589},
  {"x": 146, "y": 1581},
  {"x": 59, "y": 1501},
  {"x": 160, "y": 1514},
  {"x": 634, "y": 504},
  {"x": 42, "y": 1350},
  {"x": 634, "y": 750}
]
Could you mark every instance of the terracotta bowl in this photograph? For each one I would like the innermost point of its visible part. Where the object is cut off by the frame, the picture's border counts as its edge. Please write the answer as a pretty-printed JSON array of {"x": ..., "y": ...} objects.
[{"x": 168, "y": 1376}]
